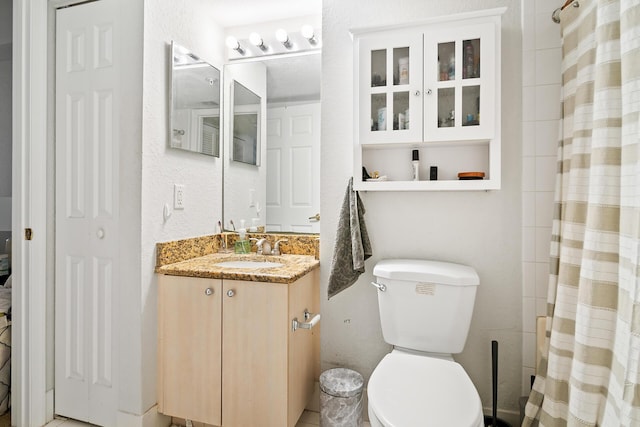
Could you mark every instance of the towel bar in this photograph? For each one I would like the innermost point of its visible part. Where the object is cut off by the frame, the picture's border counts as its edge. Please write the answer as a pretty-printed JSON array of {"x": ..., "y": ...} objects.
[{"x": 295, "y": 325}]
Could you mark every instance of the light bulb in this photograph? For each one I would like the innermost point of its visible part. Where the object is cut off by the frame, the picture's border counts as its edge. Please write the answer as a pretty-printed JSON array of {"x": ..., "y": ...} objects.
[
  {"x": 256, "y": 40},
  {"x": 283, "y": 37},
  {"x": 307, "y": 33},
  {"x": 233, "y": 43}
]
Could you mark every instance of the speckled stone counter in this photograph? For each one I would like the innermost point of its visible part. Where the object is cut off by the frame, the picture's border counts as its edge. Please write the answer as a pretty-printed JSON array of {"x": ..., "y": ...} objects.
[
  {"x": 185, "y": 249},
  {"x": 293, "y": 268}
]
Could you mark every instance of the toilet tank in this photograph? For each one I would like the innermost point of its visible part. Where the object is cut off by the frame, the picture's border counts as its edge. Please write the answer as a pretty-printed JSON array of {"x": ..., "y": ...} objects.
[{"x": 426, "y": 305}]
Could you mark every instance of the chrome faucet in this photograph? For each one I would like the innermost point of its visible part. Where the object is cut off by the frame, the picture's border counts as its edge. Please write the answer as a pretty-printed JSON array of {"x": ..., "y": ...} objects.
[
  {"x": 264, "y": 247},
  {"x": 276, "y": 249}
]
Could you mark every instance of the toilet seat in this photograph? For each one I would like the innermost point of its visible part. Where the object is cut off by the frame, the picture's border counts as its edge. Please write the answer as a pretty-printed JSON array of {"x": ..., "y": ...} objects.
[{"x": 407, "y": 390}]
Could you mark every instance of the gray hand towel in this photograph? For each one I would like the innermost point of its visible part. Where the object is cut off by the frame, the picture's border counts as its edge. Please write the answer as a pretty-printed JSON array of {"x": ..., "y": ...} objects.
[{"x": 352, "y": 244}]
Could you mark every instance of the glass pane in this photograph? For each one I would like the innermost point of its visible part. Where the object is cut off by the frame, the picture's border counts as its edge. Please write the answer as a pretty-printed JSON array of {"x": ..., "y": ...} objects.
[
  {"x": 378, "y": 68},
  {"x": 400, "y": 110},
  {"x": 401, "y": 66},
  {"x": 447, "y": 61},
  {"x": 379, "y": 111},
  {"x": 471, "y": 106},
  {"x": 446, "y": 109},
  {"x": 471, "y": 59}
]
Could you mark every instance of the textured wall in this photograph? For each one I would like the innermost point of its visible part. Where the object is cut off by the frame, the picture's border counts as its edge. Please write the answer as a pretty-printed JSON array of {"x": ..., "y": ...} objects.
[
  {"x": 5, "y": 120},
  {"x": 191, "y": 24},
  {"x": 481, "y": 229}
]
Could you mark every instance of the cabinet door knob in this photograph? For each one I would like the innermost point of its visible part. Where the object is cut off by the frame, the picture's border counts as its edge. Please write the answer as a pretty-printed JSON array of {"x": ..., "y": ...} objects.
[
  {"x": 208, "y": 291},
  {"x": 416, "y": 93},
  {"x": 231, "y": 293},
  {"x": 429, "y": 91}
]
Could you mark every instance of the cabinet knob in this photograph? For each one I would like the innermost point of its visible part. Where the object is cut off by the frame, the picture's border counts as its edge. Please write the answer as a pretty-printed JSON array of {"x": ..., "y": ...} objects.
[
  {"x": 208, "y": 291},
  {"x": 231, "y": 293},
  {"x": 416, "y": 93},
  {"x": 429, "y": 91}
]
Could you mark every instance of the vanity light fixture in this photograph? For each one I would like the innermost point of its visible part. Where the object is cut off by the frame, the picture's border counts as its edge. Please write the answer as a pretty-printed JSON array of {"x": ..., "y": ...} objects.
[
  {"x": 233, "y": 43},
  {"x": 257, "y": 41},
  {"x": 283, "y": 37},
  {"x": 307, "y": 33}
]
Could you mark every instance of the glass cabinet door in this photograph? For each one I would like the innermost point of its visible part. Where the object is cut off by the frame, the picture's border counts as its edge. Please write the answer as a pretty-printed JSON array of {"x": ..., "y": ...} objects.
[
  {"x": 390, "y": 89},
  {"x": 459, "y": 83}
]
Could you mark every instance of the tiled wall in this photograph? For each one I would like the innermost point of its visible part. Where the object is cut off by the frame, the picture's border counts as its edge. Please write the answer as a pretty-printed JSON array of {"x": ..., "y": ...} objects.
[{"x": 541, "y": 81}]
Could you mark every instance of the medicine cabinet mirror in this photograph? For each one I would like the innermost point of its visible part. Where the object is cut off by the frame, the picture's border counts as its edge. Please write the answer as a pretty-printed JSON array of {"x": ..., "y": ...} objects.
[
  {"x": 245, "y": 124},
  {"x": 194, "y": 103}
]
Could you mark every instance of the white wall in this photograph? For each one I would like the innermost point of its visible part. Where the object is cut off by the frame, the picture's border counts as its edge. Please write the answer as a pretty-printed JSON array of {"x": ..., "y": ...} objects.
[
  {"x": 5, "y": 120},
  {"x": 481, "y": 229},
  {"x": 191, "y": 24},
  {"x": 541, "y": 80}
]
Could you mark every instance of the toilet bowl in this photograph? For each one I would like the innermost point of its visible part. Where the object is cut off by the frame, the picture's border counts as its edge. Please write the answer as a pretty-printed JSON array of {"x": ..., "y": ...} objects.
[{"x": 407, "y": 390}]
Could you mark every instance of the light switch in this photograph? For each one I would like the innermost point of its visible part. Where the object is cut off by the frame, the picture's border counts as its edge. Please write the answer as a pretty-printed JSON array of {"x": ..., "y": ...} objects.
[{"x": 252, "y": 197}]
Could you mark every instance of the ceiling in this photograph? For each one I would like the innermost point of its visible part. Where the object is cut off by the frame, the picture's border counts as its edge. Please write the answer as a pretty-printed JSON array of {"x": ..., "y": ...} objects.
[
  {"x": 232, "y": 13},
  {"x": 289, "y": 79}
]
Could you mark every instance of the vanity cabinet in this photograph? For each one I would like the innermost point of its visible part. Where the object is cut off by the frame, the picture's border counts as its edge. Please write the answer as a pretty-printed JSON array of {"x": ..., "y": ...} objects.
[
  {"x": 435, "y": 88},
  {"x": 228, "y": 355}
]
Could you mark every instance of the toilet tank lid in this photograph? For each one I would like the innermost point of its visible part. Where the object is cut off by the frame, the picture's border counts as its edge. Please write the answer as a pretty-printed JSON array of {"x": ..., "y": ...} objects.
[{"x": 420, "y": 270}]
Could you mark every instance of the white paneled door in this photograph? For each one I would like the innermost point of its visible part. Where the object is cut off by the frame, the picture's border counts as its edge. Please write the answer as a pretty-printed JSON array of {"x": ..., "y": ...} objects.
[
  {"x": 86, "y": 212},
  {"x": 293, "y": 168}
]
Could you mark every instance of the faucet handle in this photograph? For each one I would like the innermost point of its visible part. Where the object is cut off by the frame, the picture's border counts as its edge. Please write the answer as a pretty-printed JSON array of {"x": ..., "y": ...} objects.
[
  {"x": 264, "y": 247},
  {"x": 276, "y": 249}
]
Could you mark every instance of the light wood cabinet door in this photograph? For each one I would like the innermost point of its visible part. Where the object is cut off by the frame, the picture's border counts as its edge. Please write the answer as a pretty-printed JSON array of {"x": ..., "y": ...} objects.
[
  {"x": 189, "y": 348},
  {"x": 254, "y": 354},
  {"x": 304, "y": 345}
]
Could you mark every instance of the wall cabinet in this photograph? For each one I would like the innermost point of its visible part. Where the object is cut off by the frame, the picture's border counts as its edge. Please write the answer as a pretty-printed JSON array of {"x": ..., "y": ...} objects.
[
  {"x": 228, "y": 355},
  {"x": 435, "y": 88}
]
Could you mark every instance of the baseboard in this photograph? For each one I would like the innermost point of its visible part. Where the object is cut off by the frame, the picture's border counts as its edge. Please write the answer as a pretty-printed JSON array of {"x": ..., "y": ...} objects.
[
  {"x": 49, "y": 405},
  {"x": 511, "y": 417},
  {"x": 151, "y": 418}
]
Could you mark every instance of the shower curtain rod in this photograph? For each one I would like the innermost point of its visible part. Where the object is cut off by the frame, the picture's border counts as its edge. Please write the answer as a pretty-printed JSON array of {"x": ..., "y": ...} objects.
[{"x": 555, "y": 16}]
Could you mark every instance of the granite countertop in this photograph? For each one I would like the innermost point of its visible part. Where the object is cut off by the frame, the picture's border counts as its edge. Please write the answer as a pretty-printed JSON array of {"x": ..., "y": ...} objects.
[{"x": 295, "y": 266}]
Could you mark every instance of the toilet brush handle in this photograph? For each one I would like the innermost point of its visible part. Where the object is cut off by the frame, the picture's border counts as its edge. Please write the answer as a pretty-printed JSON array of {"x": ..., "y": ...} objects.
[{"x": 494, "y": 380}]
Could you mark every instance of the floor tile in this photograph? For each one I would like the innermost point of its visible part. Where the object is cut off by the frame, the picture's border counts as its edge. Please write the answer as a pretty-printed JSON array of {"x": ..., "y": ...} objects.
[{"x": 310, "y": 417}]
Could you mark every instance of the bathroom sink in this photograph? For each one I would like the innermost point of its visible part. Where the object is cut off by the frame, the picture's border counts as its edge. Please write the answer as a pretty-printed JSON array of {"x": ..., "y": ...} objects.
[{"x": 249, "y": 265}]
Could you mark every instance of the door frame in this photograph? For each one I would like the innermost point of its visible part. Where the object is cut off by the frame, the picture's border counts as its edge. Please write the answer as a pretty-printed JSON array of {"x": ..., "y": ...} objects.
[{"x": 32, "y": 111}]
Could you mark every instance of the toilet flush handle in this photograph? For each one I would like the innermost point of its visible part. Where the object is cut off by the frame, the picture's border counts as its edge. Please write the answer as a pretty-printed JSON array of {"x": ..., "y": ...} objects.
[{"x": 381, "y": 286}]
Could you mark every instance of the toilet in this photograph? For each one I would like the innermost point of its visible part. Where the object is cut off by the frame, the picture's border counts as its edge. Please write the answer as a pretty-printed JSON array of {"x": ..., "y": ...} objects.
[{"x": 425, "y": 313}]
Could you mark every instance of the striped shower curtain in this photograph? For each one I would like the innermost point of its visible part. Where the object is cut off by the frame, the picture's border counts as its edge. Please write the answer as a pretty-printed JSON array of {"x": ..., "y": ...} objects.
[{"x": 590, "y": 374}]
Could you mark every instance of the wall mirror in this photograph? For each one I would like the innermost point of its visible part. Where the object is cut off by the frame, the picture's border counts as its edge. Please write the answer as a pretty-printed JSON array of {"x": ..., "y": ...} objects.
[
  {"x": 283, "y": 193},
  {"x": 194, "y": 103},
  {"x": 245, "y": 125}
]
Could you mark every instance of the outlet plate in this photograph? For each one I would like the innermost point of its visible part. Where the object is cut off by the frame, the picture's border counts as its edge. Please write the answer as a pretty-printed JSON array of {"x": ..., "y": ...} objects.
[{"x": 178, "y": 196}]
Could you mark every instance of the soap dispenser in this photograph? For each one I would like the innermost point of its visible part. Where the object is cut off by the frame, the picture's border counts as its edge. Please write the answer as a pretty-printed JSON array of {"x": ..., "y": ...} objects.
[{"x": 242, "y": 245}]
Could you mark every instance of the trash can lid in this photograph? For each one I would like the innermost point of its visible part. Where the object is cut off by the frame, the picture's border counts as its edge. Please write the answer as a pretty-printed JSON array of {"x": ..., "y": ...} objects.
[{"x": 341, "y": 382}]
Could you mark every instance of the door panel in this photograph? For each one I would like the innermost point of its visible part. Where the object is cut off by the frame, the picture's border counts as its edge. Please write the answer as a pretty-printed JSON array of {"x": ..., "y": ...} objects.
[
  {"x": 87, "y": 213},
  {"x": 189, "y": 339},
  {"x": 293, "y": 172},
  {"x": 254, "y": 317}
]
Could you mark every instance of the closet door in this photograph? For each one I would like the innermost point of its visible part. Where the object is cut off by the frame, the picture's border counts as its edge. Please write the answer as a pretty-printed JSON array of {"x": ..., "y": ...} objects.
[{"x": 87, "y": 212}]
